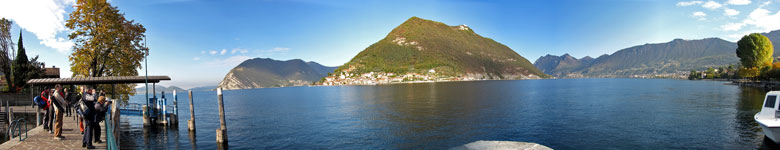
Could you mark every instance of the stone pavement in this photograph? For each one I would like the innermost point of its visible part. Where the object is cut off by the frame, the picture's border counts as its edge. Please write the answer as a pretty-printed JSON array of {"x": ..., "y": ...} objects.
[{"x": 38, "y": 139}]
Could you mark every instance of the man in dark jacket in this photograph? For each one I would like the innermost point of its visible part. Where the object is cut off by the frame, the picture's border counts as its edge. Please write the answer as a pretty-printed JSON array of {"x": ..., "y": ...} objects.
[{"x": 89, "y": 117}]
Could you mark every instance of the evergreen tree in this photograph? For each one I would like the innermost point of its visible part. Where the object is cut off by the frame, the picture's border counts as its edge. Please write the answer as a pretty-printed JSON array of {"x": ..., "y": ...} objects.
[{"x": 21, "y": 65}]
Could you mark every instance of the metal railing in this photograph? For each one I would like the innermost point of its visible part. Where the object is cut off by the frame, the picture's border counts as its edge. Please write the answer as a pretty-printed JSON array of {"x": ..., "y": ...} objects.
[
  {"x": 16, "y": 128},
  {"x": 111, "y": 143}
]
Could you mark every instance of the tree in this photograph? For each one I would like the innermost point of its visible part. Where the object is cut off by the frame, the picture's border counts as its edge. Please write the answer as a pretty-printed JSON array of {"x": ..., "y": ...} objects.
[
  {"x": 106, "y": 44},
  {"x": 21, "y": 66},
  {"x": 25, "y": 69},
  {"x": 755, "y": 50},
  {"x": 748, "y": 72},
  {"x": 6, "y": 46}
]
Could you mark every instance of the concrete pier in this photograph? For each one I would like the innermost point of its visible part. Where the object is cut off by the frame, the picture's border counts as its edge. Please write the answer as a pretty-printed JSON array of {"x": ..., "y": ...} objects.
[{"x": 37, "y": 138}]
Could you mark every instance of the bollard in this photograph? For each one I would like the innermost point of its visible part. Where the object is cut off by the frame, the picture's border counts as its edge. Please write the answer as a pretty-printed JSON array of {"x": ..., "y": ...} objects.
[
  {"x": 164, "y": 109},
  {"x": 222, "y": 138},
  {"x": 191, "y": 122},
  {"x": 146, "y": 115},
  {"x": 174, "y": 119}
]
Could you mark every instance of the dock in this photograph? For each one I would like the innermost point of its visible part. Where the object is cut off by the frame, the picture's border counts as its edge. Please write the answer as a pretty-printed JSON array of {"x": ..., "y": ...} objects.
[{"x": 37, "y": 138}]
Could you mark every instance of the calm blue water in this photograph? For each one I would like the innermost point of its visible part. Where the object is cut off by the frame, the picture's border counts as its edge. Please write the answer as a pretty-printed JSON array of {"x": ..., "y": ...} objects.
[{"x": 561, "y": 114}]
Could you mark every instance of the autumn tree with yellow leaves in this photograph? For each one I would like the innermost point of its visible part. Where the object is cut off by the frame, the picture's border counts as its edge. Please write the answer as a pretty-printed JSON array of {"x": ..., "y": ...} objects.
[{"x": 106, "y": 44}]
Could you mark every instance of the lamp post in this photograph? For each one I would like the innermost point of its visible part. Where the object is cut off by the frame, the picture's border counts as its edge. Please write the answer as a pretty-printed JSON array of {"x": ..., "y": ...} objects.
[{"x": 146, "y": 72}]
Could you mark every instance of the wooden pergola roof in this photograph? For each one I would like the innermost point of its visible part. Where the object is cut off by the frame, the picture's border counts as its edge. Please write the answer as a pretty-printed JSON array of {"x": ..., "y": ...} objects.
[{"x": 98, "y": 80}]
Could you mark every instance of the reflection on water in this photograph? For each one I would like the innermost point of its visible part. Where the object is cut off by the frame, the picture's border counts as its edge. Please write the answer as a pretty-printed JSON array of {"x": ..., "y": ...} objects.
[{"x": 561, "y": 114}]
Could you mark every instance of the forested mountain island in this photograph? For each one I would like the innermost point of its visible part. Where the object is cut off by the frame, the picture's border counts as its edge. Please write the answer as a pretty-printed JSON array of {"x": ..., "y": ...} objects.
[
  {"x": 425, "y": 50},
  {"x": 672, "y": 59},
  {"x": 266, "y": 72}
]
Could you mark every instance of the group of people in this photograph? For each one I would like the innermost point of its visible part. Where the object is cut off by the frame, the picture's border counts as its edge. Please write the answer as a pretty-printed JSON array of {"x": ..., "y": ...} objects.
[{"x": 89, "y": 105}]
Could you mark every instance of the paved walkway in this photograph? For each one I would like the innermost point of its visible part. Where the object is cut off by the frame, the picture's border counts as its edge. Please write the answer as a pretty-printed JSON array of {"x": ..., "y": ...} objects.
[{"x": 38, "y": 139}]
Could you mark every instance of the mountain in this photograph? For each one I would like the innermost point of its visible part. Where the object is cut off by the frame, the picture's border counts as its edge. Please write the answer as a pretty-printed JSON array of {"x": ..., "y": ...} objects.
[
  {"x": 430, "y": 49},
  {"x": 204, "y": 88},
  {"x": 676, "y": 56},
  {"x": 265, "y": 72},
  {"x": 561, "y": 65},
  {"x": 774, "y": 36},
  {"x": 158, "y": 89}
]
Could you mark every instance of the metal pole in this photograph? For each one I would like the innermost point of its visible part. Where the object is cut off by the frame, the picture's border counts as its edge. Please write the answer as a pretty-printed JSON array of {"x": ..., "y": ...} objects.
[
  {"x": 146, "y": 76},
  {"x": 37, "y": 109}
]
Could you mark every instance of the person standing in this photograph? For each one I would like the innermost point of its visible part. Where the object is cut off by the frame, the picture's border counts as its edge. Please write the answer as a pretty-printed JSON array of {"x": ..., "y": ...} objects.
[
  {"x": 59, "y": 109},
  {"x": 100, "y": 113},
  {"x": 67, "y": 101},
  {"x": 45, "y": 98},
  {"x": 89, "y": 100}
]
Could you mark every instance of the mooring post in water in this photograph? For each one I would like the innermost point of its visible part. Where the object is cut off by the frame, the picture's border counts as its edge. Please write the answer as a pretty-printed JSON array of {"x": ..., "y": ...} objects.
[
  {"x": 175, "y": 115},
  {"x": 163, "y": 109},
  {"x": 191, "y": 122},
  {"x": 222, "y": 131},
  {"x": 145, "y": 113}
]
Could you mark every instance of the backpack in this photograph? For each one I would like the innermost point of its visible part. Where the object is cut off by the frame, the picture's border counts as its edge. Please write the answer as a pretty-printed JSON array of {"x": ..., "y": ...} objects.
[
  {"x": 39, "y": 101},
  {"x": 83, "y": 106}
]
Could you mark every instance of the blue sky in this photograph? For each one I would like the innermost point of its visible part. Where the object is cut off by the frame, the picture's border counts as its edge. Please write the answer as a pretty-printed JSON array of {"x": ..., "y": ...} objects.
[{"x": 197, "y": 42}]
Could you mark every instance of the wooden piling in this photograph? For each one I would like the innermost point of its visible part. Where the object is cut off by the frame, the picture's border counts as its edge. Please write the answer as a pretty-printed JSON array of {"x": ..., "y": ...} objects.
[
  {"x": 174, "y": 118},
  {"x": 145, "y": 113},
  {"x": 163, "y": 109},
  {"x": 222, "y": 138},
  {"x": 191, "y": 122}
]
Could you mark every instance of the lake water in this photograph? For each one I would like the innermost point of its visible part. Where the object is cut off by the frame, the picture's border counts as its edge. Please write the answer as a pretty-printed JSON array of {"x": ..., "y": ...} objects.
[{"x": 560, "y": 113}]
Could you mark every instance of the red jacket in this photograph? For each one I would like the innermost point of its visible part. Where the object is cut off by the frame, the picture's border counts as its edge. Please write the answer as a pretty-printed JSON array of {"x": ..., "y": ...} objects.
[{"x": 45, "y": 97}]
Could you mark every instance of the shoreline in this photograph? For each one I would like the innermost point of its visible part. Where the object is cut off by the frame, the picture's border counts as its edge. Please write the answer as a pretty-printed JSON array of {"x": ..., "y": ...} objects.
[{"x": 414, "y": 82}]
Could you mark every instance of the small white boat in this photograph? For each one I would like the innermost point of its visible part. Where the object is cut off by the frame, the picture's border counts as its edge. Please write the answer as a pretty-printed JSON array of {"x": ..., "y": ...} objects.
[{"x": 769, "y": 116}]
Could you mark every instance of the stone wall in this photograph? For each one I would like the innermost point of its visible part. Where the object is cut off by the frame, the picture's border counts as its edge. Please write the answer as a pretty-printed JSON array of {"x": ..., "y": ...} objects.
[{"x": 16, "y": 99}]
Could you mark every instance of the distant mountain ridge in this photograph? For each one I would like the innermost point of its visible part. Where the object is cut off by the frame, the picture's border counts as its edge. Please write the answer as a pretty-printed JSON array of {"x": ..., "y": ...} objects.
[
  {"x": 266, "y": 72},
  {"x": 158, "y": 89},
  {"x": 671, "y": 57},
  {"x": 676, "y": 56},
  {"x": 433, "y": 50}
]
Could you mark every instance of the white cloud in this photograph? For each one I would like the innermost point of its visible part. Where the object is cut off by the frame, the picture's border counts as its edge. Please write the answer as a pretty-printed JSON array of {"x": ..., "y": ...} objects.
[
  {"x": 765, "y": 3},
  {"x": 732, "y": 26},
  {"x": 202, "y": 52},
  {"x": 44, "y": 18},
  {"x": 739, "y": 2},
  {"x": 699, "y": 14},
  {"x": 195, "y": 58},
  {"x": 223, "y": 52},
  {"x": 712, "y": 5},
  {"x": 763, "y": 19},
  {"x": 274, "y": 50},
  {"x": 730, "y": 12},
  {"x": 689, "y": 3},
  {"x": 212, "y": 52},
  {"x": 238, "y": 50},
  {"x": 229, "y": 62},
  {"x": 760, "y": 18}
]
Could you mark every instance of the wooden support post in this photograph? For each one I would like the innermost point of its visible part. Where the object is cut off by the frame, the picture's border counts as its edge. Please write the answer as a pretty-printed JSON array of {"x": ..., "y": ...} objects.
[
  {"x": 191, "y": 122},
  {"x": 163, "y": 109},
  {"x": 222, "y": 138},
  {"x": 146, "y": 114},
  {"x": 35, "y": 105},
  {"x": 174, "y": 119}
]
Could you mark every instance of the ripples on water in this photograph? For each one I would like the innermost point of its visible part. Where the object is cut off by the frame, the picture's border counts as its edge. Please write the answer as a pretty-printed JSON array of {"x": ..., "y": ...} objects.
[{"x": 561, "y": 114}]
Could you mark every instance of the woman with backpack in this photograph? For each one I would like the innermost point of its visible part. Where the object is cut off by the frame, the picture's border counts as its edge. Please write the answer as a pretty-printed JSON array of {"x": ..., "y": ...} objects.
[{"x": 45, "y": 98}]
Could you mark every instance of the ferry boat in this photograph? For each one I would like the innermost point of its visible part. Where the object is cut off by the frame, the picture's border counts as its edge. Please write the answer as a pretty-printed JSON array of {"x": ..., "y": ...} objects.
[{"x": 769, "y": 116}]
